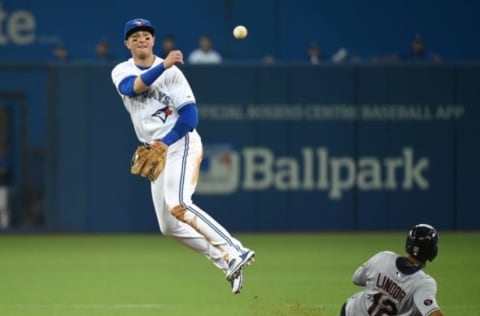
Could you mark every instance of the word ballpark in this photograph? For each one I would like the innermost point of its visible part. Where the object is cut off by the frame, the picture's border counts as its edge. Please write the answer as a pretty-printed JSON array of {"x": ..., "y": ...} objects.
[{"x": 316, "y": 169}]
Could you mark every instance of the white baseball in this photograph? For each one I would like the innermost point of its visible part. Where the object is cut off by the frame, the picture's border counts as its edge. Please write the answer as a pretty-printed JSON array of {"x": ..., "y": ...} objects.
[{"x": 240, "y": 32}]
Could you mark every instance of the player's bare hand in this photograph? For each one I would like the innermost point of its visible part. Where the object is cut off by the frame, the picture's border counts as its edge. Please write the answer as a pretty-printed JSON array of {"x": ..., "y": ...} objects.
[
  {"x": 175, "y": 56},
  {"x": 158, "y": 143}
]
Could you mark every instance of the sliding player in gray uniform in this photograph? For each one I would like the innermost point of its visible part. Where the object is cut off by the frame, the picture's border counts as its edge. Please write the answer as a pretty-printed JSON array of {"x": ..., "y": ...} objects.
[{"x": 397, "y": 285}]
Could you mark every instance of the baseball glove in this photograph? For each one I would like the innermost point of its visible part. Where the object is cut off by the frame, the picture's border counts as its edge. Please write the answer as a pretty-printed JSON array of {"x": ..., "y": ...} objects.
[{"x": 149, "y": 161}]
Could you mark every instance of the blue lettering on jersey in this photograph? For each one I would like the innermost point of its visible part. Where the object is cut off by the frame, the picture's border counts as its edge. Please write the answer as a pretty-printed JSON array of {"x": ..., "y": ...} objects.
[{"x": 158, "y": 95}]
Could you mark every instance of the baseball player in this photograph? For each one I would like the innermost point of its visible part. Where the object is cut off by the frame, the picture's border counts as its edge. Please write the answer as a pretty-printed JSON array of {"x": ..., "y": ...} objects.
[
  {"x": 397, "y": 285},
  {"x": 163, "y": 111}
]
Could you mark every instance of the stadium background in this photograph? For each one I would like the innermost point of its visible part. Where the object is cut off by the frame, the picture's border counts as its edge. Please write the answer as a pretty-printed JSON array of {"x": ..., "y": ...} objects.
[{"x": 353, "y": 146}]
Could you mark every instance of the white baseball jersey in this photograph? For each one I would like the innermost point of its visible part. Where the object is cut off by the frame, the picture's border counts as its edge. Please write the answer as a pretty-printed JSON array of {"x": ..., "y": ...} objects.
[
  {"x": 153, "y": 114},
  {"x": 155, "y": 111},
  {"x": 388, "y": 291}
]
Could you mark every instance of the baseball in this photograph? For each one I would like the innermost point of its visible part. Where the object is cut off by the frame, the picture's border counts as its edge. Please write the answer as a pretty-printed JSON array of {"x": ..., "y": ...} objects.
[{"x": 240, "y": 32}]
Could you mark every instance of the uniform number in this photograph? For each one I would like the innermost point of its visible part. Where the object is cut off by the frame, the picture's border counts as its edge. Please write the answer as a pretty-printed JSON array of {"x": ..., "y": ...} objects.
[{"x": 382, "y": 306}]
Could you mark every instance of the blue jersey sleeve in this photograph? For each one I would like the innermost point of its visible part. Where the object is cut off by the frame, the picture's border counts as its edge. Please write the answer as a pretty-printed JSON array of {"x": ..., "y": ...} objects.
[
  {"x": 187, "y": 121},
  {"x": 126, "y": 86}
]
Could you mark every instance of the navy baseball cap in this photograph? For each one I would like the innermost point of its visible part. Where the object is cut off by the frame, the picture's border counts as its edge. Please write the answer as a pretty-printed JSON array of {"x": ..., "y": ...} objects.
[{"x": 136, "y": 25}]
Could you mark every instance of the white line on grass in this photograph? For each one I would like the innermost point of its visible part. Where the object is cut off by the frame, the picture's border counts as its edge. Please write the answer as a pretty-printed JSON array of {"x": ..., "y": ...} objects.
[{"x": 85, "y": 306}]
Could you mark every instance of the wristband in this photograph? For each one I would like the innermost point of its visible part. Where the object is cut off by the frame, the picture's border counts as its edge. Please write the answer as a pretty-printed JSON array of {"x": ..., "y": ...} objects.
[{"x": 151, "y": 75}]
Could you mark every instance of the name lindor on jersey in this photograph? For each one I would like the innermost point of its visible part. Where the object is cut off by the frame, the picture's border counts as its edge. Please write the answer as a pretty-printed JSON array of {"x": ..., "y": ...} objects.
[{"x": 391, "y": 287}]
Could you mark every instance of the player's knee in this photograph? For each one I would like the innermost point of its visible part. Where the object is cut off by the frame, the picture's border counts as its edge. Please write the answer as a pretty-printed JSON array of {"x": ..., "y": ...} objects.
[
  {"x": 179, "y": 212},
  {"x": 165, "y": 230}
]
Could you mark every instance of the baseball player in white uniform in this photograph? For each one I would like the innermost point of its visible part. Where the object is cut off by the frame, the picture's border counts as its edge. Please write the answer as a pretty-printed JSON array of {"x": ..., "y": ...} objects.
[
  {"x": 163, "y": 109},
  {"x": 397, "y": 285}
]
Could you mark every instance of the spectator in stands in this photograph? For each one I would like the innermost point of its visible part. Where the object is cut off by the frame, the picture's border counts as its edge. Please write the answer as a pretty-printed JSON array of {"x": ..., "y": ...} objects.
[
  {"x": 341, "y": 55},
  {"x": 205, "y": 54},
  {"x": 269, "y": 59},
  {"x": 418, "y": 52},
  {"x": 102, "y": 50},
  {"x": 60, "y": 53},
  {"x": 168, "y": 44},
  {"x": 314, "y": 54}
]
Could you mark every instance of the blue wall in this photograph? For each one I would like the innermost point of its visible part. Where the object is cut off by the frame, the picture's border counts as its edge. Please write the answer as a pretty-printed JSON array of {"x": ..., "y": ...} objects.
[
  {"x": 29, "y": 29},
  {"x": 286, "y": 148},
  {"x": 357, "y": 146}
]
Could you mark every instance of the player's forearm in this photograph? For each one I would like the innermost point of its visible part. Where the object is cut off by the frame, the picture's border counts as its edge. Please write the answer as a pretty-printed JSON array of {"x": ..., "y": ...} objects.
[
  {"x": 437, "y": 313},
  {"x": 138, "y": 86},
  {"x": 187, "y": 121},
  {"x": 146, "y": 79}
]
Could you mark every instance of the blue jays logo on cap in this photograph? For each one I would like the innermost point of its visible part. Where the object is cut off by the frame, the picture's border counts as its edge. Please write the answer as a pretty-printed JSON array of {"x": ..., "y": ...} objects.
[{"x": 136, "y": 25}]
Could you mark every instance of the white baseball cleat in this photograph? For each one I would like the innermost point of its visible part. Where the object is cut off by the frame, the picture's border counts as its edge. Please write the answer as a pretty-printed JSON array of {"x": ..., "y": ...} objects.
[
  {"x": 237, "y": 283},
  {"x": 236, "y": 264}
]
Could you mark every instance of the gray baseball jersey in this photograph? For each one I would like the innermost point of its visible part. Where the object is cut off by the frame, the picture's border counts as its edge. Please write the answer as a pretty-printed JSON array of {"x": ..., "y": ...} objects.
[{"x": 389, "y": 291}]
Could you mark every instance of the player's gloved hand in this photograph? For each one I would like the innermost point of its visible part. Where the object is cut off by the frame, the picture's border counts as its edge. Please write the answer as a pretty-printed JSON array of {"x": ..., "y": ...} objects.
[{"x": 149, "y": 161}]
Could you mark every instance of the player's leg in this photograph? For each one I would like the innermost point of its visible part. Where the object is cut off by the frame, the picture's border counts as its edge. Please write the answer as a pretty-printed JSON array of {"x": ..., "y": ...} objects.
[
  {"x": 181, "y": 172},
  {"x": 238, "y": 256},
  {"x": 181, "y": 232},
  {"x": 207, "y": 226}
]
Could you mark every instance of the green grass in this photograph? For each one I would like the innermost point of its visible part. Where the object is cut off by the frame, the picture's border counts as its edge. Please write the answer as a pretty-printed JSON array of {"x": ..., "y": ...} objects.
[{"x": 294, "y": 274}]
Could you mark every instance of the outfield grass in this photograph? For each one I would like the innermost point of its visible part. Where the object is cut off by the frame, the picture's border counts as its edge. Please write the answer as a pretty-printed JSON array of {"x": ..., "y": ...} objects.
[{"x": 294, "y": 274}]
